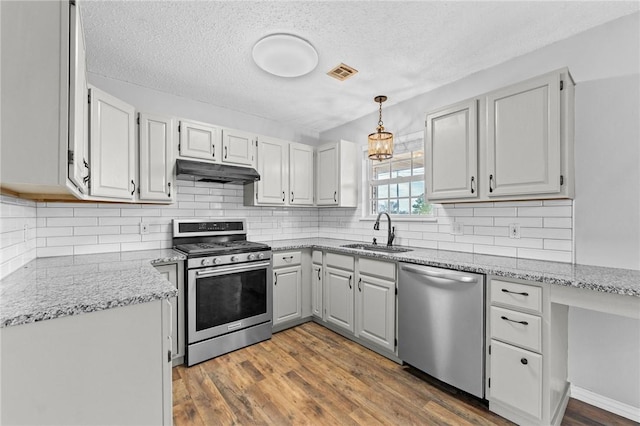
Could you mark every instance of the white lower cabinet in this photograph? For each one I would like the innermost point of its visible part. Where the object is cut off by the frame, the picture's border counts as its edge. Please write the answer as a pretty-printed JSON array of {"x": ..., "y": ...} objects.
[
  {"x": 376, "y": 311},
  {"x": 104, "y": 367},
  {"x": 287, "y": 287},
  {"x": 339, "y": 297},
  {"x": 527, "y": 355},
  {"x": 174, "y": 273}
]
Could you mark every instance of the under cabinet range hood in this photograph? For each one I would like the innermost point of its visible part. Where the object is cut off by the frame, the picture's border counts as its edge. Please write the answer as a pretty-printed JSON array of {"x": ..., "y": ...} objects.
[{"x": 209, "y": 172}]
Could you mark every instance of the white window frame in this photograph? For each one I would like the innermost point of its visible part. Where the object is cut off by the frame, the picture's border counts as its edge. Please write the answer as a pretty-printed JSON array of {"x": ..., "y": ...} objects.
[{"x": 366, "y": 189}]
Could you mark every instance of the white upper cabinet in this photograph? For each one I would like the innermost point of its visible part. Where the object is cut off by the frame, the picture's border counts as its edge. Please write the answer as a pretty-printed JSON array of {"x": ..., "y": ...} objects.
[
  {"x": 273, "y": 168},
  {"x": 337, "y": 175},
  {"x": 523, "y": 138},
  {"x": 452, "y": 152},
  {"x": 112, "y": 147},
  {"x": 156, "y": 157},
  {"x": 300, "y": 174},
  {"x": 520, "y": 147},
  {"x": 199, "y": 140},
  {"x": 79, "y": 105},
  {"x": 238, "y": 147}
]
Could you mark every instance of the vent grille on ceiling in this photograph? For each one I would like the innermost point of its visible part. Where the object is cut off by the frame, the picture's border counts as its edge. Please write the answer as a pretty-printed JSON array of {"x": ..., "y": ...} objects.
[{"x": 342, "y": 72}]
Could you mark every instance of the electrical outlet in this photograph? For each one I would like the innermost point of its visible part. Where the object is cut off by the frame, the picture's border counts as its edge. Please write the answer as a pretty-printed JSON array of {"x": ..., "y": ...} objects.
[
  {"x": 457, "y": 228},
  {"x": 514, "y": 230},
  {"x": 144, "y": 228}
]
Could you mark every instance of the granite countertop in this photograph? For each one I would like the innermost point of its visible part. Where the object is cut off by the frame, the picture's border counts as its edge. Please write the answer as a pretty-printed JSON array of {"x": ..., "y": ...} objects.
[
  {"x": 606, "y": 280},
  {"x": 53, "y": 287}
]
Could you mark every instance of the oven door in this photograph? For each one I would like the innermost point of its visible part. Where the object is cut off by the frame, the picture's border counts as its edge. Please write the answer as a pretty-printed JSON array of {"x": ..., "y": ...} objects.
[{"x": 228, "y": 298}]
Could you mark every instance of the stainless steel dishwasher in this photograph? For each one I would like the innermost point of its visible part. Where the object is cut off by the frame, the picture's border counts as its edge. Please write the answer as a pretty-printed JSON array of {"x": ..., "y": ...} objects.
[{"x": 441, "y": 324}]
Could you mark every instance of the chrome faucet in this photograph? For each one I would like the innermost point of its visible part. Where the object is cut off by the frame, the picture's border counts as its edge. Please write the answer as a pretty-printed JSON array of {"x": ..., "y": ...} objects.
[{"x": 391, "y": 230}]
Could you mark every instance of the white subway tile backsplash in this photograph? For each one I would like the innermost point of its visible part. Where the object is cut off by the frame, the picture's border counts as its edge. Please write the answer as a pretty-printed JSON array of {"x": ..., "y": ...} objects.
[
  {"x": 557, "y": 222},
  {"x": 72, "y": 241},
  {"x": 96, "y": 248},
  {"x": 96, "y": 212},
  {"x": 54, "y": 251},
  {"x": 495, "y": 211},
  {"x": 556, "y": 233},
  {"x": 556, "y": 211},
  {"x": 529, "y": 222},
  {"x": 499, "y": 231},
  {"x": 443, "y": 245},
  {"x": 495, "y": 250},
  {"x": 72, "y": 221},
  {"x": 93, "y": 230},
  {"x": 565, "y": 245},
  {"x": 519, "y": 242},
  {"x": 120, "y": 238},
  {"x": 552, "y": 255}
]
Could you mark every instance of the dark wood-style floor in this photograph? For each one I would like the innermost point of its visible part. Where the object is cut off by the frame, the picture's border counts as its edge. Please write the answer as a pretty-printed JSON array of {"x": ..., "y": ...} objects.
[{"x": 310, "y": 375}]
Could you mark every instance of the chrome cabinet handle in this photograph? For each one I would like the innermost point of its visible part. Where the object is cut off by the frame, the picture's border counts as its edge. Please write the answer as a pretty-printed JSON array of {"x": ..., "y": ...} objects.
[
  {"x": 213, "y": 149},
  {"x": 473, "y": 184},
  {"x": 490, "y": 183},
  {"x": 225, "y": 152},
  {"x": 275, "y": 282},
  {"x": 350, "y": 281},
  {"x": 335, "y": 196},
  {"x": 517, "y": 322},
  {"x": 504, "y": 290},
  {"x": 283, "y": 196},
  {"x": 292, "y": 196},
  {"x": 319, "y": 274},
  {"x": 134, "y": 187},
  {"x": 524, "y": 361},
  {"x": 359, "y": 287},
  {"x": 169, "y": 186}
]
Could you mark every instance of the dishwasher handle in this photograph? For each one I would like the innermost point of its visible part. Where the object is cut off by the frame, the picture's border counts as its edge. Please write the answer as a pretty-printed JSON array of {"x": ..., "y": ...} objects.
[{"x": 439, "y": 273}]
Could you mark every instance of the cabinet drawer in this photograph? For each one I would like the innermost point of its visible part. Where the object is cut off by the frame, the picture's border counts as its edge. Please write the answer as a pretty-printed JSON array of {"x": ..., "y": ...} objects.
[
  {"x": 286, "y": 259},
  {"x": 516, "y": 378},
  {"x": 521, "y": 296},
  {"x": 377, "y": 268},
  {"x": 521, "y": 329},
  {"x": 316, "y": 257},
  {"x": 340, "y": 261}
]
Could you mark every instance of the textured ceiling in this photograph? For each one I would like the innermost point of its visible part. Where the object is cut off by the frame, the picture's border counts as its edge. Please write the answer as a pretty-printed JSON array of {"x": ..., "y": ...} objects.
[{"x": 202, "y": 49}]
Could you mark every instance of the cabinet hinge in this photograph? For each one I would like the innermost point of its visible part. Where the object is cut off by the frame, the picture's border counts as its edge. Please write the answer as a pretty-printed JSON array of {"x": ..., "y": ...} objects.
[
  {"x": 89, "y": 97},
  {"x": 489, "y": 349},
  {"x": 256, "y": 196},
  {"x": 561, "y": 84},
  {"x": 561, "y": 180},
  {"x": 69, "y": 157},
  {"x": 138, "y": 191},
  {"x": 489, "y": 381},
  {"x": 396, "y": 291},
  {"x": 178, "y": 146},
  {"x": 395, "y": 342},
  {"x": 168, "y": 356}
]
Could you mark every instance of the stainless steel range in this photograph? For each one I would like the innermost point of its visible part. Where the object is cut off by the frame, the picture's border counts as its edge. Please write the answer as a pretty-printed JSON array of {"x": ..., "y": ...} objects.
[{"x": 228, "y": 287}]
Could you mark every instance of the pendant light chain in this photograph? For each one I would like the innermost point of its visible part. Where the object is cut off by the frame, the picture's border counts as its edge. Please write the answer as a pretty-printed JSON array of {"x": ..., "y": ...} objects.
[{"x": 380, "y": 115}]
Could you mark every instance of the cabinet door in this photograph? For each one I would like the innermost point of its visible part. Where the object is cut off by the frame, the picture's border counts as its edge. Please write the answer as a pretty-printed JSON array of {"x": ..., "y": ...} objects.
[
  {"x": 287, "y": 294},
  {"x": 376, "y": 311},
  {"x": 523, "y": 138},
  {"x": 112, "y": 143},
  {"x": 300, "y": 174},
  {"x": 339, "y": 298},
  {"x": 273, "y": 168},
  {"x": 516, "y": 378},
  {"x": 156, "y": 159},
  {"x": 316, "y": 291},
  {"x": 199, "y": 140},
  {"x": 78, "y": 104},
  {"x": 452, "y": 152},
  {"x": 327, "y": 175},
  {"x": 238, "y": 147}
]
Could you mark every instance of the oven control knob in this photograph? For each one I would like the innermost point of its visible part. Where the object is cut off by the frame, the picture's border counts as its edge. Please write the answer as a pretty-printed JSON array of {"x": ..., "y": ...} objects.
[
  {"x": 234, "y": 258},
  {"x": 251, "y": 257},
  {"x": 205, "y": 262},
  {"x": 261, "y": 256},
  {"x": 216, "y": 261}
]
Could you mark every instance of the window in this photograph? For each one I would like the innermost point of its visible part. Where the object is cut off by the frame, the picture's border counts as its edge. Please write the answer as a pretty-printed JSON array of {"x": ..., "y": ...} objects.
[{"x": 396, "y": 186}]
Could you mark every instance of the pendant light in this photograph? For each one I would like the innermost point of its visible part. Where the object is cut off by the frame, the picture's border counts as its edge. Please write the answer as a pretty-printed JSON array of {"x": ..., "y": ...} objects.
[{"x": 380, "y": 142}]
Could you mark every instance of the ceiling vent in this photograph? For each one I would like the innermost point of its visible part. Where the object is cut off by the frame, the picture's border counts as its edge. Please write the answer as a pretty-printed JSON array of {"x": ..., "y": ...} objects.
[{"x": 342, "y": 72}]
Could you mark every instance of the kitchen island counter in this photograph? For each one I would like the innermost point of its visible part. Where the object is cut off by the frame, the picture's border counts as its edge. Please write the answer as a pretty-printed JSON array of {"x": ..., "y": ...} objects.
[{"x": 53, "y": 287}]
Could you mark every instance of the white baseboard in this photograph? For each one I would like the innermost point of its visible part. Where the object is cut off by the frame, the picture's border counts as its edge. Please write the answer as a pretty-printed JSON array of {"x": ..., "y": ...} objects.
[{"x": 608, "y": 404}]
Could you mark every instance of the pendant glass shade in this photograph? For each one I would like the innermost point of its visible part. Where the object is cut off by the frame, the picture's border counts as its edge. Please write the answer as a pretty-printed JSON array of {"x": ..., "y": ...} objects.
[
  {"x": 380, "y": 145},
  {"x": 380, "y": 142}
]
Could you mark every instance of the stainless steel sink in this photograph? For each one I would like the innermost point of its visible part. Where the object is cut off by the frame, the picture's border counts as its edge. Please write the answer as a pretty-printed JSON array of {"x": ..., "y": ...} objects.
[{"x": 375, "y": 247}]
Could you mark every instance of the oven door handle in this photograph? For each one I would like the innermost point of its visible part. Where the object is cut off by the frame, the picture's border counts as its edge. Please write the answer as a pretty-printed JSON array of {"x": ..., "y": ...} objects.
[{"x": 223, "y": 270}]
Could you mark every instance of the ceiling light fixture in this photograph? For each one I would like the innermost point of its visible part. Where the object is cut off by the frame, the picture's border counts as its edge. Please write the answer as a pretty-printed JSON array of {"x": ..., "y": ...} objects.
[
  {"x": 380, "y": 142},
  {"x": 285, "y": 55}
]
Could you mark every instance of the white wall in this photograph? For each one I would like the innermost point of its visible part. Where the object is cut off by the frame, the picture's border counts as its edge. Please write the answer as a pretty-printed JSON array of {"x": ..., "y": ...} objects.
[
  {"x": 605, "y": 63},
  {"x": 153, "y": 101}
]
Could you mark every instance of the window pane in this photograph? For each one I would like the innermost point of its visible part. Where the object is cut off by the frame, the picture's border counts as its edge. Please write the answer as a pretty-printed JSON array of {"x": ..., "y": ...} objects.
[
  {"x": 417, "y": 188},
  {"x": 393, "y": 206},
  {"x": 382, "y": 191},
  {"x": 382, "y": 206},
  {"x": 380, "y": 170},
  {"x": 401, "y": 168},
  {"x": 393, "y": 190},
  {"x": 418, "y": 206},
  {"x": 403, "y": 206},
  {"x": 403, "y": 189},
  {"x": 418, "y": 163}
]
